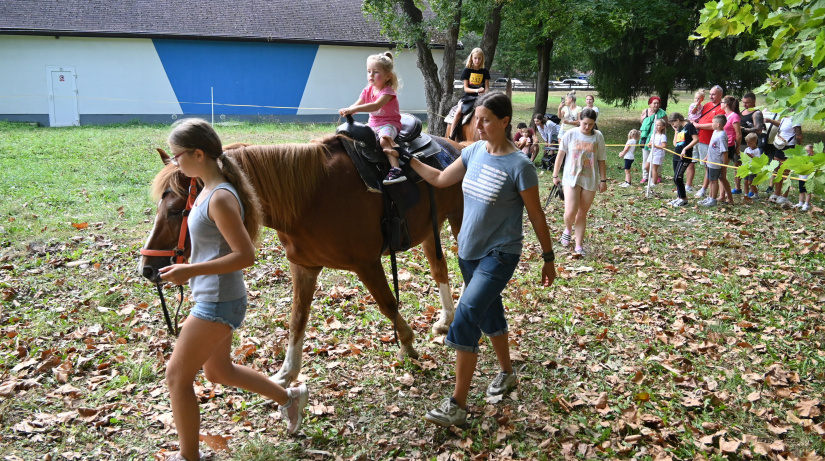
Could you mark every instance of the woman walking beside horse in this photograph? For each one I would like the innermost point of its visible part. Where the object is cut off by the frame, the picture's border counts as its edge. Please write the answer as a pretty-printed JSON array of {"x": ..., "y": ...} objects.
[
  {"x": 499, "y": 183},
  {"x": 223, "y": 223}
]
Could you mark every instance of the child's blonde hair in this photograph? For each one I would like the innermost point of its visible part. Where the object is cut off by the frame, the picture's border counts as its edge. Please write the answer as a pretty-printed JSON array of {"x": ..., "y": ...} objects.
[
  {"x": 634, "y": 134},
  {"x": 700, "y": 91},
  {"x": 469, "y": 63},
  {"x": 386, "y": 61},
  {"x": 662, "y": 122},
  {"x": 751, "y": 137}
]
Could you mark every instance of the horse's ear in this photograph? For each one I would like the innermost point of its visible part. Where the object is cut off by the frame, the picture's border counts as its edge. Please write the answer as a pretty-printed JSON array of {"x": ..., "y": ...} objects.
[{"x": 164, "y": 156}]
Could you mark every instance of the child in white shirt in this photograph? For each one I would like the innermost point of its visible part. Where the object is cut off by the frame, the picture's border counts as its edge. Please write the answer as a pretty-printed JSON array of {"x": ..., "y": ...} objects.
[
  {"x": 657, "y": 145},
  {"x": 805, "y": 196},
  {"x": 752, "y": 151},
  {"x": 718, "y": 145},
  {"x": 627, "y": 154}
]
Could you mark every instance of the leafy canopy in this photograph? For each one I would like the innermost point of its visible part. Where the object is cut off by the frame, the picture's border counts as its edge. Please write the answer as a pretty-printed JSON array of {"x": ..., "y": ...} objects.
[{"x": 794, "y": 52}]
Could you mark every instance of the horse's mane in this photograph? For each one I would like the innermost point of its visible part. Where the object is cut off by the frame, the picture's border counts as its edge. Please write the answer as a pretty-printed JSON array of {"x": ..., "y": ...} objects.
[
  {"x": 169, "y": 178},
  {"x": 285, "y": 176}
]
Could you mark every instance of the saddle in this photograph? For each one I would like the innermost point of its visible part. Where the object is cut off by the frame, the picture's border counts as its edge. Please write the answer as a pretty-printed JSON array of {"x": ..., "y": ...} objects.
[
  {"x": 363, "y": 148},
  {"x": 465, "y": 117}
]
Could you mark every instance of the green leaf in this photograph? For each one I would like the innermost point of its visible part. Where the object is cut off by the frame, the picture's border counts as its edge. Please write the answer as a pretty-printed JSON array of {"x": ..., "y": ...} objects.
[
  {"x": 802, "y": 91},
  {"x": 800, "y": 164}
]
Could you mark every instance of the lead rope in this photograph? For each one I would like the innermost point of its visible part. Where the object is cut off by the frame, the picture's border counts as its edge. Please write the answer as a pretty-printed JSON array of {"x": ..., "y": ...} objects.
[
  {"x": 397, "y": 297},
  {"x": 174, "y": 331}
]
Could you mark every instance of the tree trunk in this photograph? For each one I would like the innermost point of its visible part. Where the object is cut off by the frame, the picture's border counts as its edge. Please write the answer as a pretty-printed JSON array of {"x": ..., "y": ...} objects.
[
  {"x": 438, "y": 86},
  {"x": 489, "y": 38},
  {"x": 664, "y": 91},
  {"x": 545, "y": 50}
]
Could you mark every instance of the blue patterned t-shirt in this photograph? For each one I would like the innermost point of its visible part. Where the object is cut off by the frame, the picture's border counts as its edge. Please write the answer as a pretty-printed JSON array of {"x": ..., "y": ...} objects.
[{"x": 493, "y": 207}]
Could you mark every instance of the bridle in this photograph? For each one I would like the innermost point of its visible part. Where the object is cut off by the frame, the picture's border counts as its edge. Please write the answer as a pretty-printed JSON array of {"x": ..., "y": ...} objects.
[{"x": 176, "y": 255}]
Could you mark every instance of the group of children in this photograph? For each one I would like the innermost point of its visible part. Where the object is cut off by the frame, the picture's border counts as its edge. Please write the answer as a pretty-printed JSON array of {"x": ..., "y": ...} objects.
[{"x": 685, "y": 138}]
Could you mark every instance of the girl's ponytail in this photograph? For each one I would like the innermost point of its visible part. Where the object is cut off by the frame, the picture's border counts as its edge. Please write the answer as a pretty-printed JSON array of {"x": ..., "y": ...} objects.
[{"x": 249, "y": 199}]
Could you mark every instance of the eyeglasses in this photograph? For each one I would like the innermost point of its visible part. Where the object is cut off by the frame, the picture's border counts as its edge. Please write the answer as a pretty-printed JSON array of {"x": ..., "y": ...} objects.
[{"x": 175, "y": 158}]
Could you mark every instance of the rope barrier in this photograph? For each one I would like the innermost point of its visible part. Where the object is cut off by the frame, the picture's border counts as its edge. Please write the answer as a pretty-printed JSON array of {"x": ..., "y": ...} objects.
[{"x": 682, "y": 156}]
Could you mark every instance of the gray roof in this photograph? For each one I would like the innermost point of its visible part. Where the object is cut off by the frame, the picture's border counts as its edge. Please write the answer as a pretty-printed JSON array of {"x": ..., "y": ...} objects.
[{"x": 301, "y": 21}]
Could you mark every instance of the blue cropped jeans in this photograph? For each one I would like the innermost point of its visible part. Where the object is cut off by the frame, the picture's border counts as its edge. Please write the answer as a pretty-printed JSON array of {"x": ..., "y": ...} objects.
[{"x": 480, "y": 309}]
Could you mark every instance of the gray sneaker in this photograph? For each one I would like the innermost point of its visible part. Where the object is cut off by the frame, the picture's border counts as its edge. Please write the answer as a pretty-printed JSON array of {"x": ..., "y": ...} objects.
[
  {"x": 503, "y": 382},
  {"x": 293, "y": 411},
  {"x": 447, "y": 414},
  {"x": 709, "y": 202}
]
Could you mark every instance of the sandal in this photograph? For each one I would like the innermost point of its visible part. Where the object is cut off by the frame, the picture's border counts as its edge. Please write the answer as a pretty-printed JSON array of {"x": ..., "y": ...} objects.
[{"x": 565, "y": 239}]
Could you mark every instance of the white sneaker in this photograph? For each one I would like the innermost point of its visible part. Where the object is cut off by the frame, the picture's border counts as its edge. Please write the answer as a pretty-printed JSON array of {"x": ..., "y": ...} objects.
[
  {"x": 502, "y": 383},
  {"x": 798, "y": 205},
  {"x": 624, "y": 184},
  {"x": 805, "y": 207},
  {"x": 680, "y": 203},
  {"x": 773, "y": 198},
  {"x": 701, "y": 193},
  {"x": 783, "y": 201},
  {"x": 688, "y": 189},
  {"x": 709, "y": 202},
  {"x": 293, "y": 411}
]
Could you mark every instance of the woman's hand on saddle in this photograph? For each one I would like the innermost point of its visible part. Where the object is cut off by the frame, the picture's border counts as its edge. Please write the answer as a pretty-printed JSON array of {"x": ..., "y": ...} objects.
[
  {"x": 556, "y": 180},
  {"x": 548, "y": 273},
  {"x": 481, "y": 90},
  {"x": 176, "y": 274},
  {"x": 345, "y": 111}
]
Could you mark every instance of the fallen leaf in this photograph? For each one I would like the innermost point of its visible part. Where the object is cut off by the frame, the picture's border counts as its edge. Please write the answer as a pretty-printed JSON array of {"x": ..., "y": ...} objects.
[{"x": 215, "y": 442}]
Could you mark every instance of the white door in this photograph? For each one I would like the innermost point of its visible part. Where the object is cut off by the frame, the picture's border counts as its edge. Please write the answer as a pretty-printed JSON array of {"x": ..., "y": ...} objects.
[{"x": 62, "y": 96}]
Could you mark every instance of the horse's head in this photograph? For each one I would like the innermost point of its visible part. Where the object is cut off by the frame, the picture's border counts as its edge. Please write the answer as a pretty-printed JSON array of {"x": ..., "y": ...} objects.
[{"x": 167, "y": 244}]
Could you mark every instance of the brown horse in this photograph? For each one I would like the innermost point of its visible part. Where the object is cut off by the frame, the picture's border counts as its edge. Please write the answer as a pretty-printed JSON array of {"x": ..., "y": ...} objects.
[{"x": 312, "y": 195}]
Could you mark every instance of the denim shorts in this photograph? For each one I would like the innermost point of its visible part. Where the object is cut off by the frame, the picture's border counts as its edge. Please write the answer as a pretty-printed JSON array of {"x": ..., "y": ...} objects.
[
  {"x": 229, "y": 313},
  {"x": 480, "y": 309}
]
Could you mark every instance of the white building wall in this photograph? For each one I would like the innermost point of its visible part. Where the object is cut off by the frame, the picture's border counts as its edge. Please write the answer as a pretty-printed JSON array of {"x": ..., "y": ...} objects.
[
  {"x": 121, "y": 78},
  {"x": 114, "y": 76},
  {"x": 340, "y": 73}
]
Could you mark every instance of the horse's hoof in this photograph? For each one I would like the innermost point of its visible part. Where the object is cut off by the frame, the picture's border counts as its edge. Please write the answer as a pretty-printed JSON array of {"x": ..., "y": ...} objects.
[
  {"x": 407, "y": 351},
  {"x": 442, "y": 326}
]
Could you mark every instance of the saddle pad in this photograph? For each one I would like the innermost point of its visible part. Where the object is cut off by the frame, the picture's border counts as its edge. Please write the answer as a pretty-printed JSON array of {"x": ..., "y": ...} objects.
[
  {"x": 440, "y": 160},
  {"x": 370, "y": 173}
]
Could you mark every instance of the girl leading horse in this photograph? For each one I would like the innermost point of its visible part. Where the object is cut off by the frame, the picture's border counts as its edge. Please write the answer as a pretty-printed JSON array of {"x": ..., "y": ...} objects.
[{"x": 312, "y": 195}]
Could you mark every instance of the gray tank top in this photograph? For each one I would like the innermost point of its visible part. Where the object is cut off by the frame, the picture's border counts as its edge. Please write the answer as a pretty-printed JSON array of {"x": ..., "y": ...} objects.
[{"x": 209, "y": 244}]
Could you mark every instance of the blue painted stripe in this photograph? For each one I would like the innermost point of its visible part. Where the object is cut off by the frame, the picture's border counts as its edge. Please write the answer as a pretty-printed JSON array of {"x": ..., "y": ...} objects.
[{"x": 263, "y": 74}]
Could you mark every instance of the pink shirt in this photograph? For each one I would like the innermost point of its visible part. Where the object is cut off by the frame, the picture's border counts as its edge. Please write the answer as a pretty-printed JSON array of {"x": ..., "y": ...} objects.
[
  {"x": 390, "y": 114},
  {"x": 733, "y": 117}
]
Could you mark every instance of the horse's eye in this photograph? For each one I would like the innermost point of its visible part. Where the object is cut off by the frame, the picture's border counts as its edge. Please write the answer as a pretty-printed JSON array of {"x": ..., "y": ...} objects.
[{"x": 175, "y": 212}]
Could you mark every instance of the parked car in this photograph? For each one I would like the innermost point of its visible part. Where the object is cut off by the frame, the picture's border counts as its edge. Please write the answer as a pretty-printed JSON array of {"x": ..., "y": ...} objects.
[
  {"x": 573, "y": 84},
  {"x": 458, "y": 84},
  {"x": 502, "y": 83}
]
